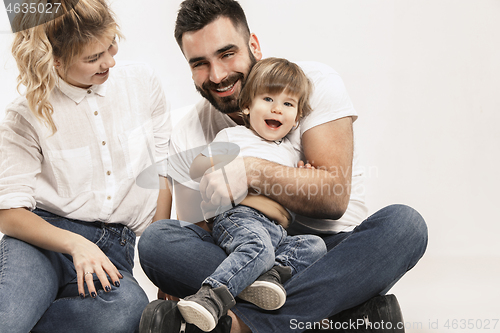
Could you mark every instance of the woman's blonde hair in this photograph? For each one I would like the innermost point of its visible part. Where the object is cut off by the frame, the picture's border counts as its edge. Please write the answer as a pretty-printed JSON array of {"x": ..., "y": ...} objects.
[
  {"x": 64, "y": 38},
  {"x": 274, "y": 76}
]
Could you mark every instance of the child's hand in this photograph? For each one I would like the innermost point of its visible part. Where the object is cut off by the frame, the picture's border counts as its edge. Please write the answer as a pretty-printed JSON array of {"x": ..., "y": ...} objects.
[{"x": 307, "y": 165}]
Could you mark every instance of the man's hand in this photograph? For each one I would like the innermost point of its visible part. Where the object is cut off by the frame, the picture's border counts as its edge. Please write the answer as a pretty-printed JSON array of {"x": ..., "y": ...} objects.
[
  {"x": 223, "y": 188},
  {"x": 165, "y": 296}
]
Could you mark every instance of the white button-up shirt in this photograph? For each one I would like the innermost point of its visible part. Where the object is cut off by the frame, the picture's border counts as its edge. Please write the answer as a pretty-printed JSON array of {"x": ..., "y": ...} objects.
[{"x": 106, "y": 135}]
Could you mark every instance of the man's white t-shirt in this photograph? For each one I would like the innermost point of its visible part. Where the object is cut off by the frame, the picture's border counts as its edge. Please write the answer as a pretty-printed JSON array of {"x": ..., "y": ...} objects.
[{"x": 329, "y": 102}]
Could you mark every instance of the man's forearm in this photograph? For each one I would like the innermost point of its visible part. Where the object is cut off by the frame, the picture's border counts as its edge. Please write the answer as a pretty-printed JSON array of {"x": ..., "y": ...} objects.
[{"x": 318, "y": 193}]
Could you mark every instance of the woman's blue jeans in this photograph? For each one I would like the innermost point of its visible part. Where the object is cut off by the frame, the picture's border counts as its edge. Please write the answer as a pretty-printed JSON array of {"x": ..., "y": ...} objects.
[
  {"x": 361, "y": 264},
  {"x": 39, "y": 293},
  {"x": 255, "y": 244}
]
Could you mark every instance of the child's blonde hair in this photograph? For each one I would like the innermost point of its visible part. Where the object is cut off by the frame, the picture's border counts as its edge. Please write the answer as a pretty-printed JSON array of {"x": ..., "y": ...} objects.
[
  {"x": 65, "y": 38},
  {"x": 275, "y": 75}
]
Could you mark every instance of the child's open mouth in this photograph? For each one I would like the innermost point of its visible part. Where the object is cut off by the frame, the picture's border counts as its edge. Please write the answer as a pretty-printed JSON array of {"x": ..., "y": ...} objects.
[{"x": 273, "y": 123}]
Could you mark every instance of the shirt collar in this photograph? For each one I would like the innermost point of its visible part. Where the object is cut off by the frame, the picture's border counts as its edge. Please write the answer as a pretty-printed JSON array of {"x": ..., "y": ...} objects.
[{"x": 78, "y": 94}]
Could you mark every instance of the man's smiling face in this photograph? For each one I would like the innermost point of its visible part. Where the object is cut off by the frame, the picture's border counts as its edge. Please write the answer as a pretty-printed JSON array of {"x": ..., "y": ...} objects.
[{"x": 220, "y": 57}]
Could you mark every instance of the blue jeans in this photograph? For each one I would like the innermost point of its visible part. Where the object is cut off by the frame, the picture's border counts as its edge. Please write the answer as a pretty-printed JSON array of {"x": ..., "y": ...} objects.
[
  {"x": 255, "y": 244},
  {"x": 359, "y": 265},
  {"x": 39, "y": 293}
]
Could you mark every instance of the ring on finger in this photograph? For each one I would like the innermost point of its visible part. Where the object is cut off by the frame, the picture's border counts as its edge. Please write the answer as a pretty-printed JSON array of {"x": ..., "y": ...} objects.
[{"x": 87, "y": 273}]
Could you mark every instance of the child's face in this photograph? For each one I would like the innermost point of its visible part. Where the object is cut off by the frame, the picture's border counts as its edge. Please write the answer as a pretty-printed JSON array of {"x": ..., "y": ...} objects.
[
  {"x": 272, "y": 116},
  {"x": 92, "y": 67}
]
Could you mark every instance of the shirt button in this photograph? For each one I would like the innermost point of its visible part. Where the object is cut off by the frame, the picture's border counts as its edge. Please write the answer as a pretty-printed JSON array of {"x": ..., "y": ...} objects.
[
  {"x": 96, "y": 113},
  {"x": 89, "y": 91},
  {"x": 109, "y": 197},
  {"x": 104, "y": 143},
  {"x": 108, "y": 173}
]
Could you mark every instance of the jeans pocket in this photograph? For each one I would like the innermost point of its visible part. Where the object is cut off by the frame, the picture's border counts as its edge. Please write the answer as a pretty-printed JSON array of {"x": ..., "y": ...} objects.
[{"x": 222, "y": 237}]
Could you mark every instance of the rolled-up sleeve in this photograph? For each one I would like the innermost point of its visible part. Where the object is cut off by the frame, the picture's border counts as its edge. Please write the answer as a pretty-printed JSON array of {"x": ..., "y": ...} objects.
[
  {"x": 162, "y": 127},
  {"x": 20, "y": 162}
]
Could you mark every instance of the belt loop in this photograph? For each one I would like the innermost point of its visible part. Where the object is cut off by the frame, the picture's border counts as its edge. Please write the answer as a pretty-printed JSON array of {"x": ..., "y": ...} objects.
[{"x": 123, "y": 241}]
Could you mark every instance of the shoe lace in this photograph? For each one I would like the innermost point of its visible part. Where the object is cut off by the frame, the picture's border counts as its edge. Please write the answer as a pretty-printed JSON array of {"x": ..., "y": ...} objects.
[
  {"x": 368, "y": 324},
  {"x": 183, "y": 326}
]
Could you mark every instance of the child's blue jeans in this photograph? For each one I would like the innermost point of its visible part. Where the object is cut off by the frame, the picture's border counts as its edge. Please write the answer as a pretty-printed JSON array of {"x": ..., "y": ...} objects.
[{"x": 255, "y": 244}]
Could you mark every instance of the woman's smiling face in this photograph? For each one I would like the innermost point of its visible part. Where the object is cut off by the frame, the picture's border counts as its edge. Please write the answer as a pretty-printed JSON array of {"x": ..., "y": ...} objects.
[{"x": 92, "y": 67}]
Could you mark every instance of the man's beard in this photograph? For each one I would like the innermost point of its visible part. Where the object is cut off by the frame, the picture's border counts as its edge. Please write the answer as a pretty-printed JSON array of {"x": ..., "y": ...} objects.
[{"x": 228, "y": 104}]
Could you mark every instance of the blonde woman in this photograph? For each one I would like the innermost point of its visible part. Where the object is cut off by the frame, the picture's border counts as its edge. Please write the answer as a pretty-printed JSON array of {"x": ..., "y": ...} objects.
[{"x": 70, "y": 150}]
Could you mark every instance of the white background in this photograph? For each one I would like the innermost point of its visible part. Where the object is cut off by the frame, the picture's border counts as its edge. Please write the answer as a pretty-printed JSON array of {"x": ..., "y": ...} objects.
[{"x": 424, "y": 77}]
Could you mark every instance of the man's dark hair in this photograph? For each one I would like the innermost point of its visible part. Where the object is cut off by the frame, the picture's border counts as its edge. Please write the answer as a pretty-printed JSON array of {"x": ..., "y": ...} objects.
[{"x": 194, "y": 15}]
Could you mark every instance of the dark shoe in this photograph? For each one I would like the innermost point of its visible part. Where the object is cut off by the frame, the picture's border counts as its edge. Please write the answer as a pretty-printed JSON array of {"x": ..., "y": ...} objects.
[
  {"x": 164, "y": 317},
  {"x": 204, "y": 308},
  {"x": 267, "y": 291},
  {"x": 380, "y": 314}
]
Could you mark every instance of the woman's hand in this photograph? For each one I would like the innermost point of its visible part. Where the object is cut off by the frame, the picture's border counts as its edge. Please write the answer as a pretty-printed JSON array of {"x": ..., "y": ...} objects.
[
  {"x": 87, "y": 257},
  {"x": 88, "y": 260}
]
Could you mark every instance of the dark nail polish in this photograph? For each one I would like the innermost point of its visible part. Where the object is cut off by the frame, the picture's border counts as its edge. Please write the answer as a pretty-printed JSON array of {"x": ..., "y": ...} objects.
[
  {"x": 82, "y": 296},
  {"x": 107, "y": 288},
  {"x": 117, "y": 283},
  {"x": 93, "y": 294}
]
